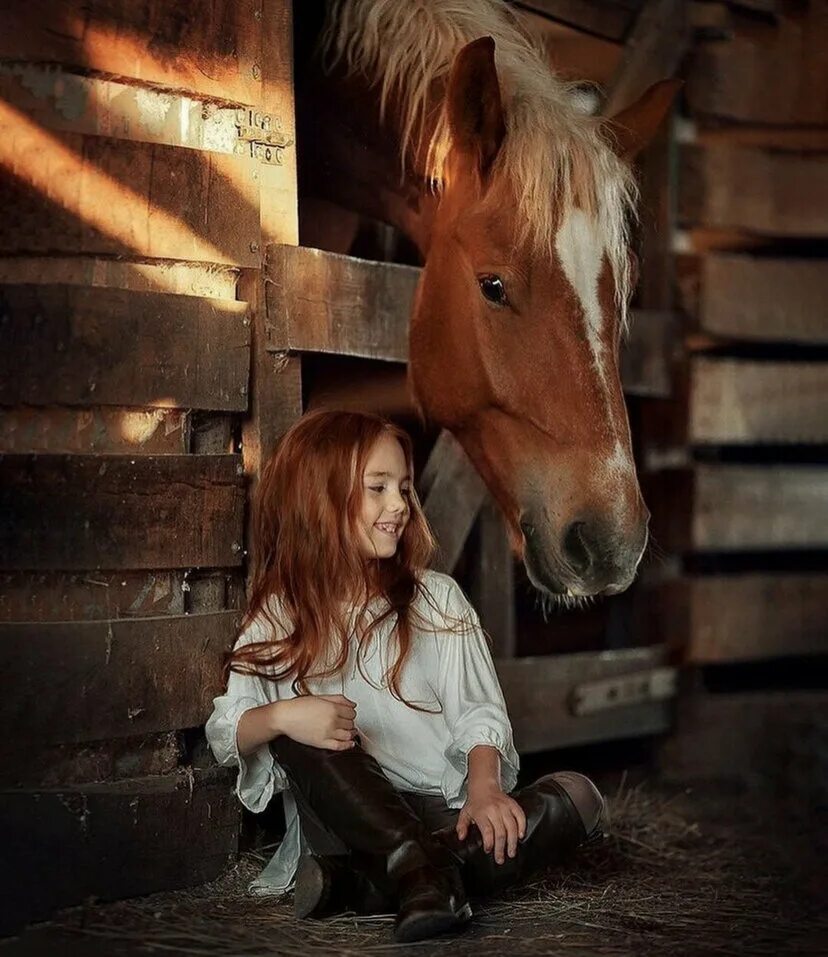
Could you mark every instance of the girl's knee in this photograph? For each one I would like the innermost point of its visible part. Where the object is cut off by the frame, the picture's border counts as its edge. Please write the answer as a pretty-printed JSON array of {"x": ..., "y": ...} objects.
[{"x": 584, "y": 795}]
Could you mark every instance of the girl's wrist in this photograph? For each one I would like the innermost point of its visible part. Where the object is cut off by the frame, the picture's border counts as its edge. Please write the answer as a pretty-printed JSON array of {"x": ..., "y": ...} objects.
[{"x": 277, "y": 718}]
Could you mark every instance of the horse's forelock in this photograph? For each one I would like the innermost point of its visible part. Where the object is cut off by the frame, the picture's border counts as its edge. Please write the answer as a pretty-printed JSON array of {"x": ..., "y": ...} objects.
[{"x": 554, "y": 156}]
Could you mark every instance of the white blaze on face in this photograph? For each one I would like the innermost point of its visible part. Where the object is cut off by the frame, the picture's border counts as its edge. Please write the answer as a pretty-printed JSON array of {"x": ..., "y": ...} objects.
[{"x": 580, "y": 248}]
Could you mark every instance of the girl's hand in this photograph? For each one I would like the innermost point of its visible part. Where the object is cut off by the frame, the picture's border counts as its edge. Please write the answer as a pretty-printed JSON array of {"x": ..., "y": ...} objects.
[
  {"x": 322, "y": 721},
  {"x": 499, "y": 818}
]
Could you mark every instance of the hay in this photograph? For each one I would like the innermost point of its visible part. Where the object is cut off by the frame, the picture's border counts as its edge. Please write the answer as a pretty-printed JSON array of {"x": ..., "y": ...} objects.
[{"x": 678, "y": 873}]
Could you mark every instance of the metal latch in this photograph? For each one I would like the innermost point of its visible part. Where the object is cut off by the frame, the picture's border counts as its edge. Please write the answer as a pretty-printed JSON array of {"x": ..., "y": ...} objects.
[
  {"x": 261, "y": 135},
  {"x": 656, "y": 684}
]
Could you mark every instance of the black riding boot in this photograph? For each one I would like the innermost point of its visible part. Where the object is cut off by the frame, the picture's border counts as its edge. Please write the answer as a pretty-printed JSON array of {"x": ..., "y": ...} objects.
[
  {"x": 349, "y": 792},
  {"x": 553, "y": 830}
]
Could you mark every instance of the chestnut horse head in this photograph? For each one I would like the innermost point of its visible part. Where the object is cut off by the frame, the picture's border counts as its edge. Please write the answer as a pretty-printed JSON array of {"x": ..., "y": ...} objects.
[{"x": 521, "y": 305}]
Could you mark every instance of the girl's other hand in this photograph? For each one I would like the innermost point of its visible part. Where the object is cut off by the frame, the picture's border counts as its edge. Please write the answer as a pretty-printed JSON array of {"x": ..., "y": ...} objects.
[
  {"x": 322, "y": 721},
  {"x": 499, "y": 818}
]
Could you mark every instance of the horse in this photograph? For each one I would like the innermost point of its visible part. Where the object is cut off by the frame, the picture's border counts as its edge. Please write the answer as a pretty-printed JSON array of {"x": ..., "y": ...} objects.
[{"x": 446, "y": 120}]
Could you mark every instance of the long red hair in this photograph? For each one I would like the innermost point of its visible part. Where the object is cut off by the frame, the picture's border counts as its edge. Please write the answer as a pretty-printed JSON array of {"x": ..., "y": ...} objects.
[{"x": 305, "y": 553}]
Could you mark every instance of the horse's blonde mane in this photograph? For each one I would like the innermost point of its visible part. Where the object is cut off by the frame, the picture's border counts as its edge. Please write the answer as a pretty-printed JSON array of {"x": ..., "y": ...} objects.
[{"x": 554, "y": 155}]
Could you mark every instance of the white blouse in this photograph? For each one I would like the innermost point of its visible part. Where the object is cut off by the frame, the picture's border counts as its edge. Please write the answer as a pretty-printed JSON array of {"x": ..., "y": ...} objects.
[{"x": 417, "y": 751}]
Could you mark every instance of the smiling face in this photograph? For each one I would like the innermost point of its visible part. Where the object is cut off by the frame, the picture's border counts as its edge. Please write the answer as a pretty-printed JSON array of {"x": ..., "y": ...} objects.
[{"x": 386, "y": 489}]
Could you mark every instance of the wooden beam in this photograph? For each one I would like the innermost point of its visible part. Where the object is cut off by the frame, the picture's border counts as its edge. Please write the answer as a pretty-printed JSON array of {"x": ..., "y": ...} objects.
[
  {"x": 653, "y": 51},
  {"x": 118, "y": 677},
  {"x": 539, "y": 696},
  {"x": 115, "y": 839},
  {"x": 737, "y": 508},
  {"x": 110, "y": 511},
  {"x": 647, "y": 353},
  {"x": 773, "y": 194},
  {"x": 602, "y": 18},
  {"x": 217, "y": 53},
  {"x": 777, "y": 300},
  {"x": 735, "y": 402},
  {"x": 493, "y": 581},
  {"x": 742, "y": 617},
  {"x": 452, "y": 493},
  {"x": 70, "y": 345}
]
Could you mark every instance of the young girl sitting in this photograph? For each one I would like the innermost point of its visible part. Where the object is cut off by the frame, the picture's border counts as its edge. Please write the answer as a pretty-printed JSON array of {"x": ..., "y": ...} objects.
[{"x": 363, "y": 689}]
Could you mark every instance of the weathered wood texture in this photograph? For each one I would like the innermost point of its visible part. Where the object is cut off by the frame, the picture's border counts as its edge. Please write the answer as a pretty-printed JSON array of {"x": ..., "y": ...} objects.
[
  {"x": 111, "y": 430},
  {"x": 89, "y": 596},
  {"x": 739, "y": 508},
  {"x": 112, "y": 840},
  {"x": 738, "y": 402},
  {"x": 746, "y": 297},
  {"x": 71, "y": 193},
  {"x": 742, "y": 617},
  {"x": 778, "y": 76},
  {"x": 117, "y": 677},
  {"x": 67, "y": 345},
  {"x": 324, "y": 302},
  {"x": 85, "y": 512},
  {"x": 774, "y": 194},
  {"x": 452, "y": 493},
  {"x": 653, "y": 50},
  {"x": 492, "y": 590},
  {"x": 604, "y": 18},
  {"x": 215, "y": 51},
  {"x": 538, "y": 694}
]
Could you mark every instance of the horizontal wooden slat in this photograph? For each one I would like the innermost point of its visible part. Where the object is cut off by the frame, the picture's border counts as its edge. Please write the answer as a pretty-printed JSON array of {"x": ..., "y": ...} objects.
[
  {"x": 72, "y": 193},
  {"x": 538, "y": 696},
  {"x": 114, "y": 840},
  {"x": 743, "y": 617},
  {"x": 739, "y": 508},
  {"x": 70, "y": 345},
  {"x": 773, "y": 194},
  {"x": 215, "y": 50},
  {"x": 85, "y": 596},
  {"x": 604, "y": 18},
  {"x": 108, "y": 511},
  {"x": 733, "y": 401},
  {"x": 114, "y": 678},
  {"x": 105, "y": 429},
  {"x": 755, "y": 298},
  {"x": 324, "y": 302}
]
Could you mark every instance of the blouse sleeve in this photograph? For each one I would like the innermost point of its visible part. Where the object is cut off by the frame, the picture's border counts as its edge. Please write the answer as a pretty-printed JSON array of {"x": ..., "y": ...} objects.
[
  {"x": 473, "y": 703},
  {"x": 259, "y": 775}
]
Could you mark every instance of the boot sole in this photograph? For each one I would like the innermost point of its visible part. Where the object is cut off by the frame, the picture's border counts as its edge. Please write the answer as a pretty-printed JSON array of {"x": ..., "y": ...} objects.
[
  {"x": 430, "y": 924},
  {"x": 310, "y": 894}
]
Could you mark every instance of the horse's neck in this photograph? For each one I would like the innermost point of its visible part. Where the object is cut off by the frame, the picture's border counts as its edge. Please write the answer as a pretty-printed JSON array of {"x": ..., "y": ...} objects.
[{"x": 351, "y": 159}]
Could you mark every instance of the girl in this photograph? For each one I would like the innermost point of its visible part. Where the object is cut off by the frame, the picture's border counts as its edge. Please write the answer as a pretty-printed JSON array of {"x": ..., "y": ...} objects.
[{"x": 362, "y": 689}]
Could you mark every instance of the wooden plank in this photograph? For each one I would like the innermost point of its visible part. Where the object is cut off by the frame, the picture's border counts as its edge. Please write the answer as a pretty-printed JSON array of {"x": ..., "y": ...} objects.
[
  {"x": 743, "y": 617},
  {"x": 114, "y": 840},
  {"x": 188, "y": 279},
  {"x": 452, "y": 493},
  {"x": 117, "y": 677},
  {"x": 746, "y": 297},
  {"x": 573, "y": 55},
  {"x": 81, "y": 512},
  {"x": 215, "y": 51},
  {"x": 538, "y": 692},
  {"x": 734, "y": 401},
  {"x": 67, "y": 345},
  {"x": 735, "y": 508},
  {"x": 34, "y": 766},
  {"x": 55, "y": 429},
  {"x": 492, "y": 590},
  {"x": 325, "y": 302},
  {"x": 653, "y": 51},
  {"x": 61, "y": 596},
  {"x": 775, "y": 194},
  {"x": 603, "y": 18},
  {"x": 71, "y": 193}
]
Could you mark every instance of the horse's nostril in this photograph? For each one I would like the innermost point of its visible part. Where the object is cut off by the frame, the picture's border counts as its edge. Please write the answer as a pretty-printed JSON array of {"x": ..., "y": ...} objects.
[{"x": 575, "y": 547}]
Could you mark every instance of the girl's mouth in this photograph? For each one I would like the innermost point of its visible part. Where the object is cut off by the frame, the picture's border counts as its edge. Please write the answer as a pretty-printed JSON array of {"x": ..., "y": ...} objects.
[{"x": 388, "y": 529}]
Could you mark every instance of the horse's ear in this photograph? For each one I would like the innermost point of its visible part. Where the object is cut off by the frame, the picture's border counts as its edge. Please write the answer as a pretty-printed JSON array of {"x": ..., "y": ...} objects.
[
  {"x": 633, "y": 128},
  {"x": 475, "y": 111}
]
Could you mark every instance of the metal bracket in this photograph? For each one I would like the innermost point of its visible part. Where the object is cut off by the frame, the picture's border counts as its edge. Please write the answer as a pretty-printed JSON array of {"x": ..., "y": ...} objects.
[
  {"x": 657, "y": 684},
  {"x": 260, "y": 135}
]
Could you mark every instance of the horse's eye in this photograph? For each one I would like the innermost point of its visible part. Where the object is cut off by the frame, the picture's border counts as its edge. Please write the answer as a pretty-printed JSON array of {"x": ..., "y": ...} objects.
[{"x": 493, "y": 289}]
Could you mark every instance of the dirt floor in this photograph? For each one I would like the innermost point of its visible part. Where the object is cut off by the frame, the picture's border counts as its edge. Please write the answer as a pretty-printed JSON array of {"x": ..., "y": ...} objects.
[{"x": 679, "y": 872}]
